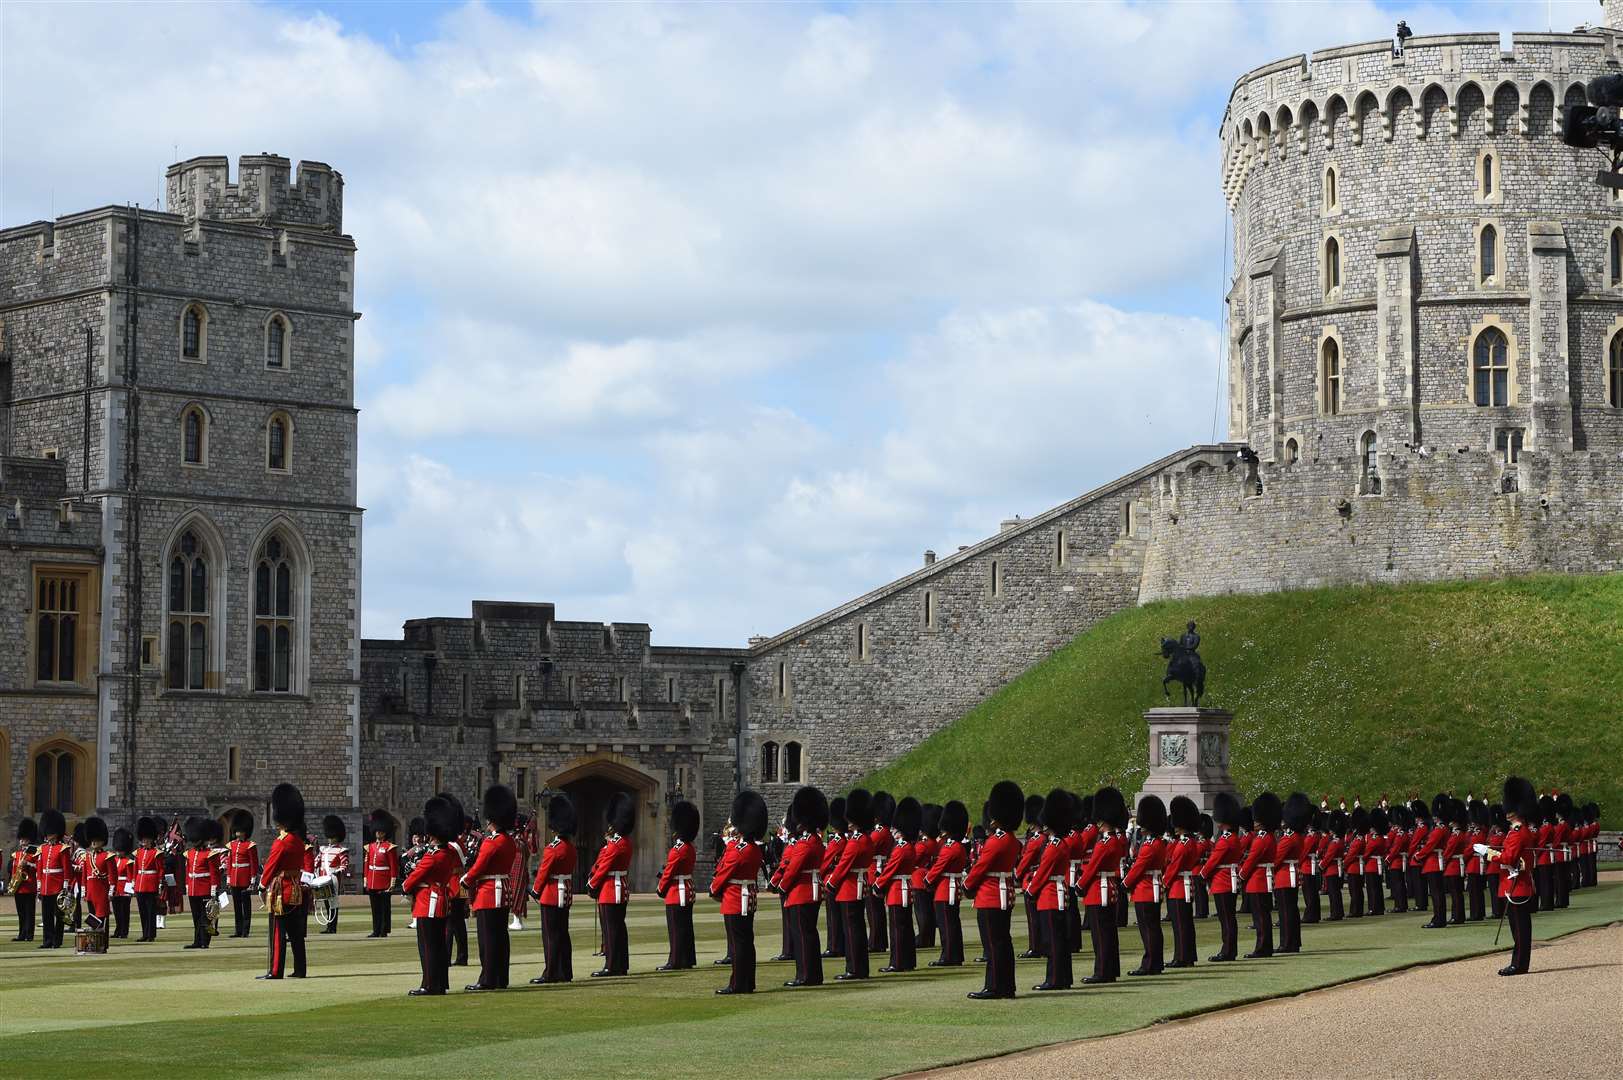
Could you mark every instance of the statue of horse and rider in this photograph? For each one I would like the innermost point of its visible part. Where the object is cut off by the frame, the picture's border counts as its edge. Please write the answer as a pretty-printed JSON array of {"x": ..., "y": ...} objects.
[{"x": 1184, "y": 665}]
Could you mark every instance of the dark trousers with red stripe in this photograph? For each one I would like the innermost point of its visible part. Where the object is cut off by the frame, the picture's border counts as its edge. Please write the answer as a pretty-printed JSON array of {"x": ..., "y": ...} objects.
[
  {"x": 1310, "y": 898},
  {"x": 1057, "y": 935},
  {"x": 1148, "y": 915},
  {"x": 1229, "y": 924},
  {"x": 786, "y": 940},
  {"x": 1036, "y": 928},
  {"x": 904, "y": 954},
  {"x": 924, "y": 918},
  {"x": 836, "y": 927},
  {"x": 51, "y": 916},
  {"x": 25, "y": 916},
  {"x": 1355, "y": 896},
  {"x": 878, "y": 940},
  {"x": 1262, "y": 905},
  {"x": 287, "y": 933},
  {"x": 1290, "y": 921},
  {"x": 1456, "y": 899},
  {"x": 560, "y": 965},
  {"x": 1520, "y": 917},
  {"x": 1106, "y": 943},
  {"x": 741, "y": 947},
  {"x": 1398, "y": 882},
  {"x": 434, "y": 953},
  {"x": 1478, "y": 908},
  {"x": 1182, "y": 915},
  {"x": 1434, "y": 887},
  {"x": 1544, "y": 880},
  {"x": 679, "y": 929},
  {"x": 456, "y": 931},
  {"x": 1377, "y": 896},
  {"x": 853, "y": 914},
  {"x": 948, "y": 921},
  {"x": 616, "y": 949},
  {"x": 808, "y": 946},
  {"x": 1332, "y": 885},
  {"x": 495, "y": 947},
  {"x": 999, "y": 946},
  {"x": 200, "y": 922},
  {"x": 242, "y": 911},
  {"x": 146, "y": 905},
  {"x": 1203, "y": 908},
  {"x": 382, "y": 917},
  {"x": 121, "y": 916}
]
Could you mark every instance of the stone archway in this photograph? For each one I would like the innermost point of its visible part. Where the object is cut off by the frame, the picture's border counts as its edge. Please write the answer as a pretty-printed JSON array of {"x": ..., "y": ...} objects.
[{"x": 591, "y": 781}]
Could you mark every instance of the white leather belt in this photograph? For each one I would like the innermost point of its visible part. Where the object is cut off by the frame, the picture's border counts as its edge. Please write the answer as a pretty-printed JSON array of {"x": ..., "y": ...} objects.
[
  {"x": 1071, "y": 873},
  {"x": 746, "y": 893},
  {"x": 1155, "y": 885},
  {"x": 1060, "y": 889},
  {"x": 955, "y": 884},
  {"x": 862, "y": 883},
  {"x": 684, "y": 884},
  {"x": 1104, "y": 888},
  {"x": 906, "y": 884},
  {"x": 618, "y": 877},
  {"x": 816, "y": 885},
  {"x": 1268, "y": 869},
  {"x": 1291, "y": 864},
  {"x": 1235, "y": 884},
  {"x": 1004, "y": 900},
  {"x": 1380, "y": 864}
]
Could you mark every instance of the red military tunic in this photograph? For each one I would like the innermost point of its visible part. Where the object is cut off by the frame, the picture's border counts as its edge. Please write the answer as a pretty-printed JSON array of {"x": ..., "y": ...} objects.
[
  {"x": 608, "y": 878},
  {"x": 946, "y": 874},
  {"x": 1183, "y": 854},
  {"x": 96, "y": 871},
  {"x": 1258, "y": 868},
  {"x": 800, "y": 875},
  {"x": 1430, "y": 850},
  {"x": 1397, "y": 848},
  {"x": 1143, "y": 880},
  {"x": 1454, "y": 853},
  {"x": 1354, "y": 855},
  {"x": 283, "y": 865},
  {"x": 1102, "y": 864},
  {"x": 676, "y": 880},
  {"x": 924, "y": 849},
  {"x": 23, "y": 863},
  {"x": 1048, "y": 878},
  {"x": 1289, "y": 855},
  {"x": 1330, "y": 859},
  {"x": 202, "y": 872},
  {"x": 122, "y": 876},
  {"x": 849, "y": 879},
  {"x": 489, "y": 880},
  {"x": 735, "y": 880},
  {"x": 1515, "y": 864},
  {"x": 382, "y": 866},
  {"x": 991, "y": 879},
  {"x": 242, "y": 864},
  {"x": 895, "y": 881},
  {"x": 1025, "y": 870},
  {"x": 1222, "y": 866},
  {"x": 832, "y": 848},
  {"x": 430, "y": 883},
  {"x": 880, "y": 843},
  {"x": 555, "y": 877},
  {"x": 148, "y": 870},
  {"x": 1374, "y": 853},
  {"x": 54, "y": 869}
]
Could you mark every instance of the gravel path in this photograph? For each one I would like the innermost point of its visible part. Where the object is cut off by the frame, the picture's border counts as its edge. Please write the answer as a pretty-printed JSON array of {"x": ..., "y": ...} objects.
[{"x": 1563, "y": 1019}]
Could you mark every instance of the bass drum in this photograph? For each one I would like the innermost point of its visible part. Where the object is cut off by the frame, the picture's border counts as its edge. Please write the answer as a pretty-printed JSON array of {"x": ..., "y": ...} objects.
[{"x": 324, "y": 893}]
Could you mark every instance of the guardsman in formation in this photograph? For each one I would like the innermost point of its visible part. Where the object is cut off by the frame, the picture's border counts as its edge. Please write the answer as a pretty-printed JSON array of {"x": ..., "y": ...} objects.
[
  {"x": 1183, "y": 864},
  {"x": 486, "y": 881},
  {"x": 1397, "y": 856},
  {"x": 729, "y": 837},
  {"x": 800, "y": 878},
  {"x": 281, "y": 880},
  {"x": 457, "y": 911},
  {"x": 775, "y": 846},
  {"x": 736, "y": 884},
  {"x": 1543, "y": 826},
  {"x": 1475, "y": 866},
  {"x": 1222, "y": 871},
  {"x": 96, "y": 874},
  {"x": 148, "y": 876},
  {"x": 1515, "y": 863},
  {"x": 1313, "y": 845},
  {"x": 880, "y": 841},
  {"x": 1208, "y": 832},
  {"x": 553, "y": 891},
  {"x": 202, "y": 879},
  {"x": 1429, "y": 853},
  {"x": 1145, "y": 880},
  {"x": 23, "y": 877},
  {"x": 1353, "y": 870},
  {"x": 380, "y": 869},
  {"x": 1100, "y": 882},
  {"x": 1048, "y": 881},
  {"x": 1561, "y": 848},
  {"x": 242, "y": 873},
  {"x": 1498, "y": 826},
  {"x": 1455, "y": 852},
  {"x": 429, "y": 886},
  {"x": 332, "y": 860},
  {"x": 924, "y": 852},
  {"x": 1375, "y": 862},
  {"x": 123, "y": 880},
  {"x": 607, "y": 884},
  {"x": 675, "y": 887},
  {"x": 1031, "y": 849},
  {"x": 849, "y": 881},
  {"x": 945, "y": 881},
  {"x": 55, "y": 874},
  {"x": 1258, "y": 871},
  {"x": 1333, "y": 862},
  {"x": 991, "y": 881},
  {"x": 1290, "y": 854},
  {"x": 832, "y": 847},
  {"x": 895, "y": 884}
]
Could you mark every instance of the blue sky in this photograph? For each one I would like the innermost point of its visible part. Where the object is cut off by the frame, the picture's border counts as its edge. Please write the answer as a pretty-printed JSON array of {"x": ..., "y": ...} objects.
[{"x": 713, "y": 316}]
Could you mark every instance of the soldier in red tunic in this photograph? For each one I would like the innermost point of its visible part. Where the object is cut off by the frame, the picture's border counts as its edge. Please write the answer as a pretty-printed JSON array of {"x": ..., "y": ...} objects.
[
  {"x": 736, "y": 884},
  {"x": 880, "y": 841},
  {"x": 380, "y": 870},
  {"x": 1100, "y": 881},
  {"x": 486, "y": 882},
  {"x": 1203, "y": 896},
  {"x": 1145, "y": 883},
  {"x": 607, "y": 884},
  {"x": 24, "y": 871},
  {"x": 1429, "y": 854},
  {"x": 1183, "y": 864},
  {"x": 122, "y": 881},
  {"x": 148, "y": 876},
  {"x": 54, "y": 874},
  {"x": 850, "y": 883},
  {"x": 1290, "y": 855},
  {"x": 1258, "y": 871},
  {"x": 202, "y": 880},
  {"x": 924, "y": 851},
  {"x": 1222, "y": 871},
  {"x": 1514, "y": 861},
  {"x": 554, "y": 891},
  {"x": 242, "y": 872},
  {"x": 895, "y": 884},
  {"x": 282, "y": 883},
  {"x": 1375, "y": 862},
  {"x": 1048, "y": 882},
  {"x": 1031, "y": 849},
  {"x": 96, "y": 874},
  {"x": 429, "y": 885},
  {"x": 832, "y": 846},
  {"x": 945, "y": 880},
  {"x": 991, "y": 881},
  {"x": 675, "y": 887},
  {"x": 800, "y": 878}
]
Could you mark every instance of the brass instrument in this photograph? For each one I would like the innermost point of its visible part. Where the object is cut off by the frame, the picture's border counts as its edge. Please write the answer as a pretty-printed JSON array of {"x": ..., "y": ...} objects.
[
  {"x": 211, "y": 912},
  {"x": 19, "y": 873}
]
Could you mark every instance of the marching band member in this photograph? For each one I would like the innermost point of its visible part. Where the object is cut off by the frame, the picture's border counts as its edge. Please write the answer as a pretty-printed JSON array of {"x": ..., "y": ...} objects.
[
  {"x": 676, "y": 888},
  {"x": 800, "y": 878},
  {"x": 1095, "y": 882},
  {"x": 417, "y": 829},
  {"x": 24, "y": 877},
  {"x": 1144, "y": 883},
  {"x": 76, "y": 850},
  {"x": 895, "y": 885},
  {"x": 832, "y": 848},
  {"x": 1515, "y": 863},
  {"x": 332, "y": 860},
  {"x": 202, "y": 879},
  {"x": 55, "y": 874},
  {"x": 148, "y": 876},
  {"x": 122, "y": 881},
  {"x": 486, "y": 882},
  {"x": 880, "y": 842},
  {"x": 553, "y": 888},
  {"x": 735, "y": 884},
  {"x": 1031, "y": 849},
  {"x": 380, "y": 870},
  {"x": 242, "y": 873},
  {"x": 607, "y": 884},
  {"x": 1181, "y": 867},
  {"x": 945, "y": 880},
  {"x": 991, "y": 881},
  {"x": 849, "y": 880},
  {"x": 96, "y": 874},
  {"x": 775, "y": 850},
  {"x": 429, "y": 885},
  {"x": 1258, "y": 871},
  {"x": 924, "y": 852},
  {"x": 1048, "y": 881},
  {"x": 1290, "y": 855},
  {"x": 456, "y": 916},
  {"x": 283, "y": 885},
  {"x": 1222, "y": 871}
]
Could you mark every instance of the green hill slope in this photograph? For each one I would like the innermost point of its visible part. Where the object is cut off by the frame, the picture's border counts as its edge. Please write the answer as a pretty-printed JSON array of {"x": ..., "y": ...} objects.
[{"x": 1357, "y": 691}]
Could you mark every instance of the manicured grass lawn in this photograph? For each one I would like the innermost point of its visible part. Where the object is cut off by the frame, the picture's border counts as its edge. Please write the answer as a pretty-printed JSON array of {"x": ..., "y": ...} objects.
[
  {"x": 157, "y": 1010},
  {"x": 1351, "y": 691}
]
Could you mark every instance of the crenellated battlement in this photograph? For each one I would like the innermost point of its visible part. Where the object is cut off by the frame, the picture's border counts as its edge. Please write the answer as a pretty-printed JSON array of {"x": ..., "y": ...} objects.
[{"x": 201, "y": 188}]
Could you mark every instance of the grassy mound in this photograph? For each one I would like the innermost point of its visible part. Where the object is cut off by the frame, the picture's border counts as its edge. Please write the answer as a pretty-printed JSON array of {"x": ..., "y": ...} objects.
[{"x": 1354, "y": 691}]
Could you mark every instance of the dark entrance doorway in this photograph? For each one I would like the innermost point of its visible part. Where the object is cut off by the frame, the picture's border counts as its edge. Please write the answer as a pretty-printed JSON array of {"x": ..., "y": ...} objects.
[{"x": 591, "y": 795}]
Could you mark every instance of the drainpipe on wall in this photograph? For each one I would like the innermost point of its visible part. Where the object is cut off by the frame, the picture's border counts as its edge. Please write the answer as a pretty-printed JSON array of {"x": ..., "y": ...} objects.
[{"x": 738, "y": 669}]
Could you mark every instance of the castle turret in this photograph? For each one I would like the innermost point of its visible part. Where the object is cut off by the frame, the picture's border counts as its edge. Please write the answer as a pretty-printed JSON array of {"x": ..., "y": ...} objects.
[{"x": 200, "y": 188}]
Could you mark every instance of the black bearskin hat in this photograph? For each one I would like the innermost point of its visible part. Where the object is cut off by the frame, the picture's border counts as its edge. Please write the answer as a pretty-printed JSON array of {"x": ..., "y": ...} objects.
[
  {"x": 196, "y": 830},
  {"x": 1208, "y": 828},
  {"x": 1034, "y": 809},
  {"x": 27, "y": 831},
  {"x": 1564, "y": 807},
  {"x": 242, "y": 822},
  {"x": 287, "y": 808},
  {"x": 1006, "y": 805},
  {"x": 685, "y": 821},
  {"x": 932, "y": 820},
  {"x": 1420, "y": 810},
  {"x": 95, "y": 831},
  {"x": 1458, "y": 813},
  {"x": 561, "y": 817},
  {"x": 1359, "y": 819},
  {"x": 1110, "y": 807},
  {"x": 1084, "y": 811},
  {"x": 332, "y": 827},
  {"x": 1378, "y": 821},
  {"x": 1298, "y": 812},
  {"x": 1439, "y": 807},
  {"x": 810, "y": 807},
  {"x": 1152, "y": 815},
  {"x": 859, "y": 809},
  {"x": 749, "y": 815},
  {"x": 1184, "y": 814},
  {"x": 383, "y": 822},
  {"x": 1479, "y": 814},
  {"x": 622, "y": 813},
  {"x": 1057, "y": 812},
  {"x": 909, "y": 818},
  {"x": 216, "y": 831},
  {"x": 79, "y": 835},
  {"x": 1520, "y": 799},
  {"x": 456, "y": 804},
  {"x": 123, "y": 842},
  {"x": 443, "y": 819},
  {"x": 1226, "y": 809},
  {"x": 145, "y": 829},
  {"x": 417, "y": 827},
  {"x": 1339, "y": 823},
  {"x": 1268, "y": 811},
  {"x": 500, "y": 807},
  {"x": 954, "y": 820},
  {"x": 884, "y": 809},
  {"x": 1591, "y": 812},
  {"x": 1496, "y": 815},
  {"x": 52, "y": 823},
  {"x": 1247, "y": 820},
  {"x": 836, "y": 813}
]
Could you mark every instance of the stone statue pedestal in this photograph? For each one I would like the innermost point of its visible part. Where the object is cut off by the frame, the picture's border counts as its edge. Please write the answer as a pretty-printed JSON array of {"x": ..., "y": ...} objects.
[{"x": 1189, "y": 755}]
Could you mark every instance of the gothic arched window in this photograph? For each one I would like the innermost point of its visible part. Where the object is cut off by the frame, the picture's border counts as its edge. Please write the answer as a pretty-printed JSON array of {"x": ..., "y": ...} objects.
[
  {"x": 279, "y": 443},
  {"x": 791, "y": 763},
  {"x": 57, "y": 782},
  {"x": 187, "y": 650},
  {"x": 1332, "y": 265},
  {"x": 276, "y": 342},
  {"x": 193, "y": 436},
  {"x": 1330, "y": 378},
  {"x": 1488, "y": 254},
  {"x": 1615, "y": 257},
  {"x": 276, "y": 617},
  {"x": 194, "y": 328},
  {"x": 1490, "y": 368},
  {"x": 769, "y": 762},
  {"x": 1614, "y": 372}
]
